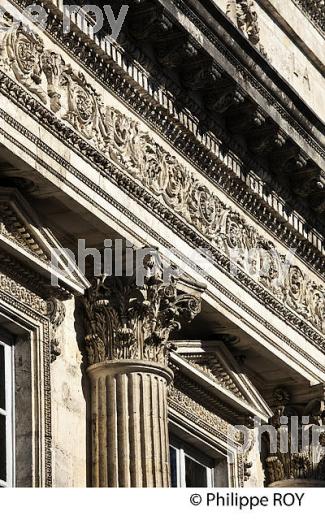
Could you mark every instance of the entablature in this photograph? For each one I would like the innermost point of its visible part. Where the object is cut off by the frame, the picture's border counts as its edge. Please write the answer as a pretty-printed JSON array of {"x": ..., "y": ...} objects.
[
  {"x": 234, "y": 178},
  {"x": 91, "y": 123},
  {"x": 94, "y": 124},
  {"x": 250, "y": 186}
]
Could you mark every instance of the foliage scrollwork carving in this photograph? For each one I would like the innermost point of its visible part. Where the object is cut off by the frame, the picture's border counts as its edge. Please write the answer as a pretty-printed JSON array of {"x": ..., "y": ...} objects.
[{"x": 122, "y": 140}]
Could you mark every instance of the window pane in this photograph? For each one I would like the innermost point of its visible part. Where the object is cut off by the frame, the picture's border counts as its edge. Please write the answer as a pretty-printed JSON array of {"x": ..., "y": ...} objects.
[
  {"x": 3, "y": 451},
  {"x": 173, "y": 467},
  {"x": 2, "y": 378},
  {"x": 196, "y": 474}
]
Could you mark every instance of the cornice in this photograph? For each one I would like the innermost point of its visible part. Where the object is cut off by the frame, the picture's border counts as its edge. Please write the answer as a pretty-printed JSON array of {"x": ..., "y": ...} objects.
[
  {"x": 33, "y": 245},
  {"x": 154, "y": 115},
  {"x": 213, "y": 376},
  {"x": 276, "y": 90}
]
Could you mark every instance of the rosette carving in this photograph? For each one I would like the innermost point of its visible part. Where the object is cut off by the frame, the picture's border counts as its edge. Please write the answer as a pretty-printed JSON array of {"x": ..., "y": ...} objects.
[
  {"x": 81, "y": 103},
  {"x": 21, "y": 51},
  {"x": 126, "y": 321}
]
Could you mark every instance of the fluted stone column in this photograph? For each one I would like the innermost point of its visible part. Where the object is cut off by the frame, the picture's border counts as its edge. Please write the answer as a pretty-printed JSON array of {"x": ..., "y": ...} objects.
[
  {"x": 129, "y": 424},
  {"x": 127, "y": 343}
]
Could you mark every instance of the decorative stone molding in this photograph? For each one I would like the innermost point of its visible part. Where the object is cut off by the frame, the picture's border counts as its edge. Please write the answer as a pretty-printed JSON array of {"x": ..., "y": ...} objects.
[
  {"x": 16, "y": 288},
  {"x": 23, "y": 300},
  {"x": 315, "y": 10},
  {"x": 143, "y": 197},
  {"x": 29, "y": 291},
  {"x": 187, "y": 405},
  {"x": 244, "y": 14},
  {"x": 126, "y": 321},
  {"x": 56, "y": 314},
  {"x": 123, "y": 141}
]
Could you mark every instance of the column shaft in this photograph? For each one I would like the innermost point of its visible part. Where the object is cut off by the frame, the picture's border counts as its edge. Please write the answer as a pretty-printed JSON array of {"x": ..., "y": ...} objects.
[{"x": 130, "y": 446}]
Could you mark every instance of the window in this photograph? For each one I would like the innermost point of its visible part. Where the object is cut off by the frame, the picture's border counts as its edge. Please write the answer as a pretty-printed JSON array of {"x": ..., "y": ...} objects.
[
  {"x": 189, "y": 467},
  {"x": 6, "y": 414}
]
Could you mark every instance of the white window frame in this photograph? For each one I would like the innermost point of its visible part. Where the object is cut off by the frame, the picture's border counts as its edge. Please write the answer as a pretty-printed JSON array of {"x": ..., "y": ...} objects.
[
  {"x": 9, "y": 411},
  {"x": 183, "y": 450}
]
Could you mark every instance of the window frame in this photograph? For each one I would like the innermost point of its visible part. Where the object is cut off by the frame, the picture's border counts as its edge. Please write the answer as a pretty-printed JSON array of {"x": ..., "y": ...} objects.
[
  {"x": 184, "y": 450},
  {"x": 9, "y": 411}
]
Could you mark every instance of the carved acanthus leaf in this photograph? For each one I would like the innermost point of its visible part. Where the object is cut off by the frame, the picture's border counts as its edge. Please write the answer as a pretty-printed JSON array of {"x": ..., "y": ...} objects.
[{"x": 125, "y": 320}]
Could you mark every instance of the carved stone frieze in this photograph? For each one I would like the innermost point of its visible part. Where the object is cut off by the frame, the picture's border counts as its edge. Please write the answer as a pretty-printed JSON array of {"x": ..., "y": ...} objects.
[
  {"x": 123, "y": 141},
  {"x": 16, "y": 290},
  {"x": 124, "y": 320},
  {"x": 130, "y": 57},
  {"x": 191, "y": 408},
  {"x": 21, "y": 51}
]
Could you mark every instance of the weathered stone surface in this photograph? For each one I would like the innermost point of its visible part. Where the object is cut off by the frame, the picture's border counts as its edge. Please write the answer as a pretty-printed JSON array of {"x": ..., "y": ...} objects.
[{"x": 199, "y": 133}]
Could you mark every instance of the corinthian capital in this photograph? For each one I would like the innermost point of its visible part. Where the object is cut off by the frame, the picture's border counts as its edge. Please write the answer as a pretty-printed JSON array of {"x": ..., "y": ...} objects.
[{"x": 124, "y": 320}]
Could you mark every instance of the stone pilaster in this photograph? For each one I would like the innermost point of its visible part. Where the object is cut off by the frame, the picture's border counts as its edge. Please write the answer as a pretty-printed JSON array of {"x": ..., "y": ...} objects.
[{"x": 128, "y": 328}]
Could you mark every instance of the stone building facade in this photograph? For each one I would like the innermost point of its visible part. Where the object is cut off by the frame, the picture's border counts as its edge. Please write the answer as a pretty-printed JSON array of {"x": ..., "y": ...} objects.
[{"x": 193, "y": 141}]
